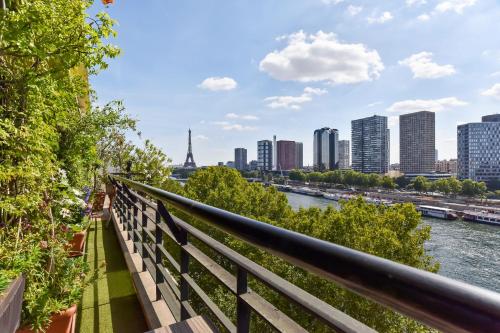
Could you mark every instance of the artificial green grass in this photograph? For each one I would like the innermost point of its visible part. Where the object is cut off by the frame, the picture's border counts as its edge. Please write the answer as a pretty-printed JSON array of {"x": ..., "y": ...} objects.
[{"x": 110, "y": 304}]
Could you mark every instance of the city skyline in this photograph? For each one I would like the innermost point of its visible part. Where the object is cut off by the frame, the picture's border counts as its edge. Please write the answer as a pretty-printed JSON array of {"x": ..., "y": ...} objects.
[{"x": 417, "y": 57}]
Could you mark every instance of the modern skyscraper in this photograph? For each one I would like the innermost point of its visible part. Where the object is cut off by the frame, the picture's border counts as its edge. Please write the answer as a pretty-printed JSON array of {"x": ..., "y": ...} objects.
[
  {"x": 344, "y": 154},
  {"x": 370, "y": 144},
  {"x": 286, "y": 155},
  {"x": 240, "y": 158},
  {"x": 325, "y": 149},
  {"x": 417, "y": 142},
  {"x": 265, "y": 155},
  {"x": 478, "y": 149},
  {"x": 299, "y": 155},
  {"x": 275, "y": 154}
]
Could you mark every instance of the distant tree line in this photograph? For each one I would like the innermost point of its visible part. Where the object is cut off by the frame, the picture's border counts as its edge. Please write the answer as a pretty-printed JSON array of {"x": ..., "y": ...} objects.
[
  {"x": 345, "y": 177},
  {"x": 420, "y": 184},
  {"x": 449, "y": 186}
]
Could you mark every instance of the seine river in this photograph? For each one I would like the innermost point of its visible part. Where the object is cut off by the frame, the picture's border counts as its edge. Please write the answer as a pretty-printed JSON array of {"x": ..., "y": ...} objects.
[{"x": 467, "y": 251}]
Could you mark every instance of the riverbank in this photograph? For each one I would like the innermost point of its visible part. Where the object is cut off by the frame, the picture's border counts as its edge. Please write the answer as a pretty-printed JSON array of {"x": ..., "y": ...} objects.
[
  {"x": 473, "y": 212},
  {"x": 467, "y": 251}
]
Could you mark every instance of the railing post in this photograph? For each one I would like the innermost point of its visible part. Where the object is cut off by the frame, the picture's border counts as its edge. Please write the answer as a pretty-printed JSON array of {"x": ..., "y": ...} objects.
[
  {"x": 158, "y": 257},
  {"x": 242, "y": 309},
  {"x": 184, "y": 286},
  {"x": 144, "y": 220}
]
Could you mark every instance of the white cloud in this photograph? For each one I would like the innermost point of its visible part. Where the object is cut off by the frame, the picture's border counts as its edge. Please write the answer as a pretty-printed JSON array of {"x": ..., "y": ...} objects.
[
  {"x": 294, "y": 102},
  {"x": 374, "y": 104},
  {"x": 494, "y": 91},
  {"x": 241, "y": 116},
  {"x": 354, "y": 10},
  {"x": 332, "y": 2},
  {"x": 495, "y": 74},
  {"x": 435, "y": 105},
  {"x": 227, "y": 126},
  {"x": 456, "y": 6},
  {"x": 424, "y": 17},
  {"x": 384, "y": 17},
  {"x": 415, "y": 2},
  {"x": 423, "y": 68},
  {"x": 321, "y": 57},
  {"x": 200, "y": 137},
  {"x": 238, "y": 127},
  {"x": 218, "y": 83}
]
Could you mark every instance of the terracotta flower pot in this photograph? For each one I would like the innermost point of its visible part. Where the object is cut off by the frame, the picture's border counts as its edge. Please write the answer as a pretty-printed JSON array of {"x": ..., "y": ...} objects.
[
  {"x": 61, "y": 322},
  {"x": 77, "y": 243}
]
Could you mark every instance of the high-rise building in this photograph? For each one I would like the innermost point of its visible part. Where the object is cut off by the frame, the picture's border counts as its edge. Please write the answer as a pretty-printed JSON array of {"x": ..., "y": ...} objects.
[
  {"x": 275, "y": 154},
  {"x": 299, "y": 155},
  {"x": 240, "y": 158},
  {"x": 344, "y": 154},
  {"x": 286, "y": 155},
  {"x": 326, "y": 149},
  {"x": 478, "y": 149},
  {"x": 417, "y": 142},
  {"x": 370, "y": 144},
  {"x": 265, "y": 155}
]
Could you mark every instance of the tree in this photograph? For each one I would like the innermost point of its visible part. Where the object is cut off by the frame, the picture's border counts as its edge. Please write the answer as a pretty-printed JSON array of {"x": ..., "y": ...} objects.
[
  {"x": 421, "y": 184},
  {"x": 472, "y": 188},
  {"x": 387, "y": 182},
  {"x": 395, "y": 233},
  {"x": 297, "y": 175},
  {"x": 315, "y": 177},
  {"x": 46, "y": 52},
  {"x": 455, "y": 185}
]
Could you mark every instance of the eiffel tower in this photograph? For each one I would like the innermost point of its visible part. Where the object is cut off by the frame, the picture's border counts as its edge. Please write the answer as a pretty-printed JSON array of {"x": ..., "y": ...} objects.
[{"x": 189, "y": 158}]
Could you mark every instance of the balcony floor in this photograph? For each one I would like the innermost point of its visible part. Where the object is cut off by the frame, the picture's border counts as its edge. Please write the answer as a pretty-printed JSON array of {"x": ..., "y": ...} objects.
[{"x": 110, "y": 303}]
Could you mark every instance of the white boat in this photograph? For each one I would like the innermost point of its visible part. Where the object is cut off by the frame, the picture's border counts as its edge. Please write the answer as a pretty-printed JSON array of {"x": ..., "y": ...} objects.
[
  {"x": 307, "y": 191},
  {"x": 483, "y": 217},
  {"x": 332, "y": 196},
  {"x": 438, "y": 212}
]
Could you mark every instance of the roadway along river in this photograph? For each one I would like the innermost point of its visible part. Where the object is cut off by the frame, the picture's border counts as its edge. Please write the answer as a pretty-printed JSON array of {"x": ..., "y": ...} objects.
[{"x": 467, "y": 251}]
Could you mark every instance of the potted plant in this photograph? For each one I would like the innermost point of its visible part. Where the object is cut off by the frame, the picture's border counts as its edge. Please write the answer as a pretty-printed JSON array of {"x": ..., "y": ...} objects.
[
  {"x": 11, "y": 300},
  {"x": 54, "y": 281},
  {"x": 71, "y": 211}
]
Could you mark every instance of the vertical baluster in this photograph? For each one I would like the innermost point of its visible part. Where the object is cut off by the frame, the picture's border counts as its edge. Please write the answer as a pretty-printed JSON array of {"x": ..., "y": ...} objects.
[
  {"x": 127, "y": 227},
  {"x": 158, "y": 256},
  {"x": 144, "y": 220},
  {"x": 184, "y": 270},
  {"x": 135, "y": 238},
  {"x": 242, "y": 309}
]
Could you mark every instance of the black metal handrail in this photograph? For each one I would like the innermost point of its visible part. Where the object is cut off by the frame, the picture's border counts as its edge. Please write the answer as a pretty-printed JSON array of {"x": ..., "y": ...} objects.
[{"x": 436, "y": 301}]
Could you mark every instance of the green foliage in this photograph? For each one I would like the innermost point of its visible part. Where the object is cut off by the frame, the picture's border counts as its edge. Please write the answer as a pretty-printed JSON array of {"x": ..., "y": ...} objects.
[
  {"x": 344, "y": 177},
  {"x": 395, "y": 233},
  {"x": 472, "y": 188},
  {"x": 450, "y": 186},
  {"x": 5, "y": 279},
  {"x": 421, "y": 184},
  {"x": 48, "y": 129},
  {"x": 53, "y": 280}
]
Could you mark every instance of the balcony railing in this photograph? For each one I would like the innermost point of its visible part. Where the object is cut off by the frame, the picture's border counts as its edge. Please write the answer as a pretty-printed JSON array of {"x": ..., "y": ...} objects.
[{"x": 436, "y": 301}]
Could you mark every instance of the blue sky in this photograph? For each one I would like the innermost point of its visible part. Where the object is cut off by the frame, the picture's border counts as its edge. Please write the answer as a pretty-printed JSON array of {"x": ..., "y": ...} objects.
[{"x": 240, "y": 71}]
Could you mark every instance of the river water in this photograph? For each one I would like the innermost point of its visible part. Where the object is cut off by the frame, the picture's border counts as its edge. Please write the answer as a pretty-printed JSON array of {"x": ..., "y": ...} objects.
[{"x": 467, "y": 251}]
